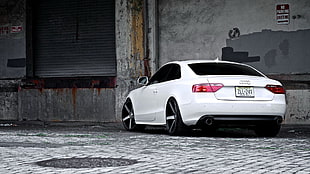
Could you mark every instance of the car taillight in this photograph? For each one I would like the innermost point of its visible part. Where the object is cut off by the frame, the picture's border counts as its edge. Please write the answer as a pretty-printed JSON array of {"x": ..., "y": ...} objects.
[
  {"x": 276, "y": 89},
  {"x": 207, "y": 87}
]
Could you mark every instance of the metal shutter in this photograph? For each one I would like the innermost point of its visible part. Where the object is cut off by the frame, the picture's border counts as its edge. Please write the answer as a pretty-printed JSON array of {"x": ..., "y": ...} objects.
[{"x": 74, "y": 38}]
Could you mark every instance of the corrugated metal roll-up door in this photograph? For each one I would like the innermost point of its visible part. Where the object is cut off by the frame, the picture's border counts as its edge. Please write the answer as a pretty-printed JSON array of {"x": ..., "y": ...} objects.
[{"x": 74, "y": 38}]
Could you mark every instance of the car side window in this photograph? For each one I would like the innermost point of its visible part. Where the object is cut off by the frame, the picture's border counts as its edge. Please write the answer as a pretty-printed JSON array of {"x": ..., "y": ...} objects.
[
  {"x": 160, "y": 75},
  {"x": 166, "y": 73},
  {"x": 174, "y": 73}
]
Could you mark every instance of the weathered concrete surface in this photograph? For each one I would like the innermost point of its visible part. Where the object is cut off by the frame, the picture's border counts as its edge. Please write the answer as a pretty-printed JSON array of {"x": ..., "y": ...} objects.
[
  {"x": 298, "y": 108},
  {"x": 130, "y": 48},
  {"x": 187, "y": 30},
  {"x": 8, "y": 100},
  {"x": 199, "y": 29},
  {"x": 69, "y": 104},
  {"x": 123, "y": 50}
]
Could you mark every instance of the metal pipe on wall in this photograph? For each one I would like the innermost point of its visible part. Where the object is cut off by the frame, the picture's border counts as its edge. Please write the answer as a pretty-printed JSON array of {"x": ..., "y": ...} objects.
[
  {"x": 156, "y": 34},
  {"x": 147, "y": 70}
]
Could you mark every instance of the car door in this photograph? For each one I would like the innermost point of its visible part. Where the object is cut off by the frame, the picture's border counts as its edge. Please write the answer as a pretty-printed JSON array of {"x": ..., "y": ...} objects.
[
  {"x": 146, "y": 97},
  {"x": 165, "y": 89}
]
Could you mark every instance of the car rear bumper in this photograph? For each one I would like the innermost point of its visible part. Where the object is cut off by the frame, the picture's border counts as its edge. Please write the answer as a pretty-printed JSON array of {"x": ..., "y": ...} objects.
[
  {"x": 238, "y": 121},
  {"x": 233, "y": 111}
]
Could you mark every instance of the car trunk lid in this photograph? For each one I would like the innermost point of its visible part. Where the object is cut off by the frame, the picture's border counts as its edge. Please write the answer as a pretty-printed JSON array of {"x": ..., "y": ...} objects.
[{"x": 242, "y": 88}]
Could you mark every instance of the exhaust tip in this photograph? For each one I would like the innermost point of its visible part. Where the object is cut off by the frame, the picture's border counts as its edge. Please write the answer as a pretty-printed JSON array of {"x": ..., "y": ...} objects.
[
  {"x": 279, "y": 120},
  {"x": 209, "y": 121}
]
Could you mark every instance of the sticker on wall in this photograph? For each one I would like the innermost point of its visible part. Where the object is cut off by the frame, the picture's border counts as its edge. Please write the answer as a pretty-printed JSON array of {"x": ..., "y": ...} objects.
[
  {"x": 6, "y": 30},
  {"x": 283, "y": 14},
  {"x": 16, "y": 29},
  {"x": 234, "y": 33}
]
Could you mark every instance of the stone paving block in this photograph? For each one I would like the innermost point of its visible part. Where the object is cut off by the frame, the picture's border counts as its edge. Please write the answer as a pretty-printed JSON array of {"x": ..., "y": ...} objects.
[{"x": 156, "y": 153}]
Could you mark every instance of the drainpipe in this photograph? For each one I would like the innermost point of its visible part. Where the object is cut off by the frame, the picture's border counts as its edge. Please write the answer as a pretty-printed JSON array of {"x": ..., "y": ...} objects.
[
  {"x": 147, "y": 70},
  {"x": 156, "y": 35}
]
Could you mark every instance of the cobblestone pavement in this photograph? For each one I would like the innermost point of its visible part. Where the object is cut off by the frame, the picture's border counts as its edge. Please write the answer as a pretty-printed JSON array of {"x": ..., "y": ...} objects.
[{"x": 21, "y": 149}]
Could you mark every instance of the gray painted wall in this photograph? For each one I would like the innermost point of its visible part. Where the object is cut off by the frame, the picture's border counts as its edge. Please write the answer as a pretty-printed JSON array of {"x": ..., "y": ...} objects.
[
  {"x": 12, "y": 55},
  {"x": 199, "y": 29},
  {"x": 280, "y": 52},
  {"x": 12, "y": 39}
]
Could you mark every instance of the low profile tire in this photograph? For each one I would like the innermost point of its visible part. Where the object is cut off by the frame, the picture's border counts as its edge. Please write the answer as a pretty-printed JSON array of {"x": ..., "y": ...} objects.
[
  {"x": 128, "y": 117},
  {"x": 269, "y": 130},
  {"x": 174, "y": 123}
]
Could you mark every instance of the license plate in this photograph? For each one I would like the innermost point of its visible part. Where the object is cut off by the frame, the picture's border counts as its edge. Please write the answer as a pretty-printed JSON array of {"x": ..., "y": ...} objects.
[{"x": 244, "y": 91}]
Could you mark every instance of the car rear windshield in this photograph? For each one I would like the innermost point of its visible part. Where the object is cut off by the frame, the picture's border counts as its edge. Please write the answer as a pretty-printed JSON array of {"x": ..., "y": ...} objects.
[{"x": 222, "y": 69}]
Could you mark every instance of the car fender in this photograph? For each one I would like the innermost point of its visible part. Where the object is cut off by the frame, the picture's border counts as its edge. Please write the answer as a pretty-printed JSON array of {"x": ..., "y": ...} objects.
[{"x": 180, "y": 101}]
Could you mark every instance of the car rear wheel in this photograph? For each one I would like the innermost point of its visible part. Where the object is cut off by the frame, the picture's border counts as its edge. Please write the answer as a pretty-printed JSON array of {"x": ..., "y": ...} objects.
[
  {"x": 128, "y": 117},
  {"x": 174, "y": 123},
  {"x": 269, "y": 130}
]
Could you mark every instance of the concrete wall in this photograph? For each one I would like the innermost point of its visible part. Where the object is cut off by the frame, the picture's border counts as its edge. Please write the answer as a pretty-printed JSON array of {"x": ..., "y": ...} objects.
[
  {"x": 199, "y": 29},
  {"x": 123, "y": 52},
  {"x": 35, "y": 102},
  {"x": 8, "y": 100},
  {"x": 135, "y": 53},
  {"x": 298, "y": 110},
  {"x": 95, "y": 105},
  {"x": 176, "y": 30},
  {"x": 243, "y": 31},
  {"x": 12, "y": 39},
  {"x": 12, "y": 55}
]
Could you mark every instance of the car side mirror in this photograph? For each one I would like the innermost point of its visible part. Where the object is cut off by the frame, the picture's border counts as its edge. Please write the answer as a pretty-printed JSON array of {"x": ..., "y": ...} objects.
[{"x": 143, "y": 80}]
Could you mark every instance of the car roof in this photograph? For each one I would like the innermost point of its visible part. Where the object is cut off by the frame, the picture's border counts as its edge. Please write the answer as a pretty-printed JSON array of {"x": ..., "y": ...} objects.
[
  {"x": 202, "y": 61},
  {"x": 184, "y": 63}
]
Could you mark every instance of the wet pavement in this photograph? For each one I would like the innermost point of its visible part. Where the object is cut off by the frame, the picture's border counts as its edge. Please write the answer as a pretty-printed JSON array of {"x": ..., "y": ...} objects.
[{"x": 107, "y": 148}]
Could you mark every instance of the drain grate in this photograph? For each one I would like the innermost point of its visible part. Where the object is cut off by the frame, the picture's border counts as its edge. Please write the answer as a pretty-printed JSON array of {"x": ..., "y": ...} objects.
[{"x": 86, "y": 162}]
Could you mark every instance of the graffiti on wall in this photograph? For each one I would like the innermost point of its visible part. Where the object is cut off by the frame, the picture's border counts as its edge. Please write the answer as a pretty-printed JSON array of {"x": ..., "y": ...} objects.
[
  {"x": 7, "y": 29},
  {"x": 229, "y": 54},
  {"x": 274, "y": 52}
]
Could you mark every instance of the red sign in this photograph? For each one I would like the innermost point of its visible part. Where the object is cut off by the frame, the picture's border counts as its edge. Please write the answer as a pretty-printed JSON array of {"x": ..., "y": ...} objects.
[
  {"x": 6, "y": 30},
  {"x": 283, "y": 14},
  {"x": 16, "y": 29}
]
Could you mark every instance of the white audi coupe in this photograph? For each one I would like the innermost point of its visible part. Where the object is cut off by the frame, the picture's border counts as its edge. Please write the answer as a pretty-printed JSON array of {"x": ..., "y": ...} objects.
[{"x": 205, "y": 94}]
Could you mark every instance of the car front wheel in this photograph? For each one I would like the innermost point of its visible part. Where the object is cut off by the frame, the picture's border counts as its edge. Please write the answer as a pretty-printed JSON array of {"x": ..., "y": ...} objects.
[
  {"x": 128, "y": 117},
  {"x": 174, "y": 123}
]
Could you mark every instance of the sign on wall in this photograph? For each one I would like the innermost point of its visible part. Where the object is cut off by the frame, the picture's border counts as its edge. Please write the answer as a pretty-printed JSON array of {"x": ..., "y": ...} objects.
[
  {"x": 7, "y": 29},
  {"x": 283, "y": 14}
]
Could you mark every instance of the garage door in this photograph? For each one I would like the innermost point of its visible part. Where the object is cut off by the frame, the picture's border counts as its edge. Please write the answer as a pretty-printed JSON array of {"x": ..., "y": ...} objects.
[{"x": 74, "y": 38}]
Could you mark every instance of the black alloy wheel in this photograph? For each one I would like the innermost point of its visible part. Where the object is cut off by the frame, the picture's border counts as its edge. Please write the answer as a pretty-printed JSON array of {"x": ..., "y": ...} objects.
[
  {"x": 174, "y": 123},
  {"x": 128, "y": 117}
]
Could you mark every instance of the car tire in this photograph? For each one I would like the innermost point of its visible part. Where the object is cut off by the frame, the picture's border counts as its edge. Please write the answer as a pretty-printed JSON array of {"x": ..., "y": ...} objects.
[
  {"x": 174, "y": 123},
  {"x": 270, "y": 130},
  {"x": 128, "y": 117}
]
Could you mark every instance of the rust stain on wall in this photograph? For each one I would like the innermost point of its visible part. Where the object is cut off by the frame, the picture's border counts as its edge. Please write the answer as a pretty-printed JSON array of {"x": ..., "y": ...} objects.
[
  {"x": 98, "y": 91},
  {"x": 74, "y": 92},
  {"x": 137, "y": 36}
]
